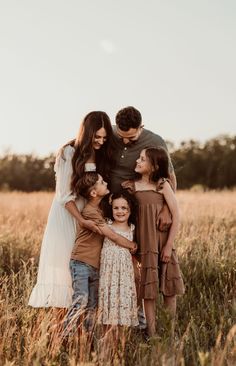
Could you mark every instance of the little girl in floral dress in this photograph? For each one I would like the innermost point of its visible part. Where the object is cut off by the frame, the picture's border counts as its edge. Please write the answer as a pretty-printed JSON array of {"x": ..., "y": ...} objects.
[{"x": 117, "y": 291}]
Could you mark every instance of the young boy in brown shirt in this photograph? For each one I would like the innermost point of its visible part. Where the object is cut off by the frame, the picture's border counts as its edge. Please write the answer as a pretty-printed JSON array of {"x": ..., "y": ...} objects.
[{"x": 85, "y": 257}]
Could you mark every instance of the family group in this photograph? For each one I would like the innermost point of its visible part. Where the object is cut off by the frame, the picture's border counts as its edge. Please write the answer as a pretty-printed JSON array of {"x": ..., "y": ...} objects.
[{"x": 108, "y": 247}]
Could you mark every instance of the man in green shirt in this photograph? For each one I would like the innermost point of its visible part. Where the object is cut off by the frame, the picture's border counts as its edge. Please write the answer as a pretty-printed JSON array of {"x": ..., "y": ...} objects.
[{"x": 131, "y": 138}]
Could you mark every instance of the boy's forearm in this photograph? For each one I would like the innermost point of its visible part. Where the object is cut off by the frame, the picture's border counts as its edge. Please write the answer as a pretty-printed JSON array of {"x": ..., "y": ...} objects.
[
  {"x": 122, "y": 241},
  {"x": 117, "y": 238}
]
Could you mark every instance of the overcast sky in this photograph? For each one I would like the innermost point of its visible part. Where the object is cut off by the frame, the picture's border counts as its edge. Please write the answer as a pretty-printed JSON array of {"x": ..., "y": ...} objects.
[{"x": 174, "y": 60}]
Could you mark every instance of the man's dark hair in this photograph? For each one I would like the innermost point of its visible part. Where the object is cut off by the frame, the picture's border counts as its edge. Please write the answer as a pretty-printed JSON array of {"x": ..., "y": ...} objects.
[{"x": 127, "y": 118}]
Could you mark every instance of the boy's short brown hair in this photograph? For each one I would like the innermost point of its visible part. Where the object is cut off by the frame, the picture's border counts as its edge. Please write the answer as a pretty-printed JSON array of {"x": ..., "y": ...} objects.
[{"x": 86, "y": 183}]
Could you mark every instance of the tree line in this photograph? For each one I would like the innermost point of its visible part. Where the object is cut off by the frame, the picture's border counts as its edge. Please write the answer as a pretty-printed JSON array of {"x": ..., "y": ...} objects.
[{"x": 211, "y": 165}]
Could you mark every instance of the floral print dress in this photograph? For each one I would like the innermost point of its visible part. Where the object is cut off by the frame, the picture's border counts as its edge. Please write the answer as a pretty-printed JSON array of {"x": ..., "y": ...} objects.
[{"x": 117, "y": 291}]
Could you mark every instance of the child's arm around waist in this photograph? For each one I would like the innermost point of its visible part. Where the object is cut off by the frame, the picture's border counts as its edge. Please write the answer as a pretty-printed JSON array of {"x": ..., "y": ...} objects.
[{"x": 118, "y": 239}]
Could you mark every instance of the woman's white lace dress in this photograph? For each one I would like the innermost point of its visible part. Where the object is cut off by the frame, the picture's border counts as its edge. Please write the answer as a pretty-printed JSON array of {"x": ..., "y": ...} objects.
[
  {"x": 117, "y": 292},
  {"x": 54, "y": 287}
]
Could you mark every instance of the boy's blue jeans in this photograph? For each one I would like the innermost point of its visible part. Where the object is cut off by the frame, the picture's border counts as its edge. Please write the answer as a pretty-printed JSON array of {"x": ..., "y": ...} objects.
[{"x": 85, "y": 280}]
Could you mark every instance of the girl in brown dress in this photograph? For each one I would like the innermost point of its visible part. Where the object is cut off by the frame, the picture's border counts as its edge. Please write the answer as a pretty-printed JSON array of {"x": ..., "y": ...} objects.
[{"x": 159, "y": 264}]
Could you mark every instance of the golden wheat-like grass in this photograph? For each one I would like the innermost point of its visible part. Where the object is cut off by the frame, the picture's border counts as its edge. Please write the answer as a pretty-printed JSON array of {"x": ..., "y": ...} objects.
[{"x": 206, "y": 320}]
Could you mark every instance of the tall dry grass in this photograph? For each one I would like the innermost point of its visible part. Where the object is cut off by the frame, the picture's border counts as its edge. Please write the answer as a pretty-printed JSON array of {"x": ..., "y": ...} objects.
[{"x": 205, "y": 325}]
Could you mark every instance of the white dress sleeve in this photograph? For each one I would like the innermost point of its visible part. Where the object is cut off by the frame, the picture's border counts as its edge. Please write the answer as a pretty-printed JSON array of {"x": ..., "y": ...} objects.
[{"x": 63, "y": 170}]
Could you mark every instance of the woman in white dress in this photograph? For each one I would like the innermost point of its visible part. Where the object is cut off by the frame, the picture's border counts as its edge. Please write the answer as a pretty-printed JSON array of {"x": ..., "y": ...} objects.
[{"x": 91, "y": 150}]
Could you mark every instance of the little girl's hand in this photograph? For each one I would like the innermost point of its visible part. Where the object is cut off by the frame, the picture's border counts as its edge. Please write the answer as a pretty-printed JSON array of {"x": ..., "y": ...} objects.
[
  {"x": 166, "y": 253},
  {"x": 134, "y": 249}
]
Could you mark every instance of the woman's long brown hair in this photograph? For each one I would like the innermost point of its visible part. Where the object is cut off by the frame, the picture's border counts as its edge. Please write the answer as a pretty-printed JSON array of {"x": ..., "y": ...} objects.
[{"x": 83, "y": 144}]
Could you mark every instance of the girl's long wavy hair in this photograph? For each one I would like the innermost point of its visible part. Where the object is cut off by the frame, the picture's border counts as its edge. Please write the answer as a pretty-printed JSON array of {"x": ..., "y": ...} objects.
[
  {"x": 83, "y": 144},
  {"x": 159, "y": 160}
]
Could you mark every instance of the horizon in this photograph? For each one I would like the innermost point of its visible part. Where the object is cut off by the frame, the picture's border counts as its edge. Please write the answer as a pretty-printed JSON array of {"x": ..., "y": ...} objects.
[{"x": 8, "y": 151}]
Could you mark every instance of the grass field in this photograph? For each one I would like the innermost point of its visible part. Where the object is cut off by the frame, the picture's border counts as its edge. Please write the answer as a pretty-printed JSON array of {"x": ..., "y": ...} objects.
[{"x": 206, "y": 321}]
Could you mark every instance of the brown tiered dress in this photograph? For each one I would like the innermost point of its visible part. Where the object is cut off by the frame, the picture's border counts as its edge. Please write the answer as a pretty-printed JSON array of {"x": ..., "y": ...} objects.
[{"x": 154, "y": 273}]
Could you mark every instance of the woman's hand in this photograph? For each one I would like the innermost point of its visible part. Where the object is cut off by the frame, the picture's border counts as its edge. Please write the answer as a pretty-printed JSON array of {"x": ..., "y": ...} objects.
[
  {"x": 90, "y": 225},
  {"x": 166, "y": 253}
]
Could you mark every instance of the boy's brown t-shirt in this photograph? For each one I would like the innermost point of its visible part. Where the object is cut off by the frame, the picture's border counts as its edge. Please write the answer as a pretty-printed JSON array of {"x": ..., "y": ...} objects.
[{"x": 88, "y": 245}]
